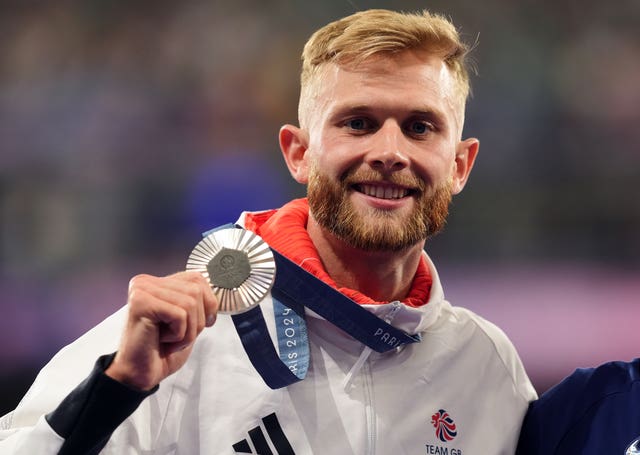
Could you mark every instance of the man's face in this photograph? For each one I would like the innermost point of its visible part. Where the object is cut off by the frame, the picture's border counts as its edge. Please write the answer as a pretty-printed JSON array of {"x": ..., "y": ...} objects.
[{"x": 382, "y": 150}]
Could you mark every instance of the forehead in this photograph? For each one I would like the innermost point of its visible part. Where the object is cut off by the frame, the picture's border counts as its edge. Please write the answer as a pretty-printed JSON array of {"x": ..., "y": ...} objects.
[{"x": 409, "y": 80}]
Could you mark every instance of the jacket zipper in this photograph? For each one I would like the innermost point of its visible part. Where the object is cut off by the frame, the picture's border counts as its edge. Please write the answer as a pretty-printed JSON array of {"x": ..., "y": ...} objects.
[{"x": 370, "y": 415}]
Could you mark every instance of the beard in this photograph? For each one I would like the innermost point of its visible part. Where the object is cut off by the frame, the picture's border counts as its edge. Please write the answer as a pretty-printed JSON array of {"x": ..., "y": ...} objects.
[{"x": 376, "y": 229}]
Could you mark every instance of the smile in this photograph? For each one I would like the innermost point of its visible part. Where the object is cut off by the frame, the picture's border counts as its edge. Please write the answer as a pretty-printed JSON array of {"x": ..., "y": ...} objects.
[{"x": 383, "y": 191}]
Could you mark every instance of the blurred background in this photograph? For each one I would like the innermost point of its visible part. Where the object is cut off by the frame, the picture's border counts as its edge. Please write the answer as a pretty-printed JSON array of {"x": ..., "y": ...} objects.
[{"x": 127, "y": 128}]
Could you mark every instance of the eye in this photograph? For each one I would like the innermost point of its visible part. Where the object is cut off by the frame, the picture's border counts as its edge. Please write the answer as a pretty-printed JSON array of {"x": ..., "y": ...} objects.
[
  {"x": 358, "y": 124},
  {"x": 420, "y": 127}
]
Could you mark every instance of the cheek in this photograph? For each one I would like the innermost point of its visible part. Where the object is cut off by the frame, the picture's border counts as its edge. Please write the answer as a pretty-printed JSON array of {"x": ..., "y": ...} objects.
[
  {"x": 435, "y": 167},
  {"x": 333, "y": 156}
]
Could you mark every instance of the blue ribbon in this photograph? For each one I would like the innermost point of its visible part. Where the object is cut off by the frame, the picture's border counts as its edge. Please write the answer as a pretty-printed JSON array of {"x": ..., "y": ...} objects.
[{"x": 295, "y": 288}]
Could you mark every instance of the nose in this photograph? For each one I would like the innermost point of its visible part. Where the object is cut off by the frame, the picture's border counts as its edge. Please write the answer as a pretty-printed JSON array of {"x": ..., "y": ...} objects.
[{"x": 386, "y": 152}]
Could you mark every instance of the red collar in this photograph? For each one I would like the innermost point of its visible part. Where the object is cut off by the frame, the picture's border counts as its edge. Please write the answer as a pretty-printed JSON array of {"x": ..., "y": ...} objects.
[{"x": 285, "y": 231}]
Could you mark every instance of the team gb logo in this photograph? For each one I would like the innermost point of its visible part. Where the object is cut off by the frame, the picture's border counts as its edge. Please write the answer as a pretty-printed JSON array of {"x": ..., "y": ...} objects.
[{"x": 444, "y": 425}]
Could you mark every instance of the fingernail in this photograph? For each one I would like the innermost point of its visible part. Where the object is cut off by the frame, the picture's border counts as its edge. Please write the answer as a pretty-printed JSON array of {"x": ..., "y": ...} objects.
[{"x": 210, "y": 320}]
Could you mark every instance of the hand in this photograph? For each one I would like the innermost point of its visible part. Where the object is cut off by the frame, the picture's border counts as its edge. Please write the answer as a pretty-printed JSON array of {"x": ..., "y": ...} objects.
[{"x": 166, "y": 314}]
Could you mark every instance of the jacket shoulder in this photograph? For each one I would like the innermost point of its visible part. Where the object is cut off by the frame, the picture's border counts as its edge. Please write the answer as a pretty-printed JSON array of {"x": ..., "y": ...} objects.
[{"x": 501, "y": 345}]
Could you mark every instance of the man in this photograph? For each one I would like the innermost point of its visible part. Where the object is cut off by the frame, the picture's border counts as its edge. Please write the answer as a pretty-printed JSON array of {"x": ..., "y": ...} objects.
[
  {"x": 592, "y": 411},
  {"x": 380, "y": 149}
]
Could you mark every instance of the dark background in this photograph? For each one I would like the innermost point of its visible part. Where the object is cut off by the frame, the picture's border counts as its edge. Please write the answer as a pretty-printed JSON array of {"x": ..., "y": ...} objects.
[{"x": 127, "y": 128}]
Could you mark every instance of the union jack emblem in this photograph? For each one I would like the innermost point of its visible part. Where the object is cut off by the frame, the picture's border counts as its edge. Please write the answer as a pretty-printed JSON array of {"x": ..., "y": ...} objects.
[{"x": 444, "y": 425}]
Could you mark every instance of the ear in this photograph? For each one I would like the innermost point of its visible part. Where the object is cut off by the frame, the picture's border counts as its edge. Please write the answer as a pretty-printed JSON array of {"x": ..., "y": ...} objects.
[
  {"x": 466, "y": 153},
  {"x": 293, "y": 144}
]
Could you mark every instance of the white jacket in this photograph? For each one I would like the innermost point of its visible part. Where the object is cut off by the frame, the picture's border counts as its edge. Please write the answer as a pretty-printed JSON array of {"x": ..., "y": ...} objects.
[{"x": 465, "y": 376}]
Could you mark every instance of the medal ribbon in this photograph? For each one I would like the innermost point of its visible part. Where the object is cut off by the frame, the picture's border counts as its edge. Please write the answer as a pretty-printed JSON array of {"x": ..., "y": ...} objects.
[{"x": 295, "y": 288}]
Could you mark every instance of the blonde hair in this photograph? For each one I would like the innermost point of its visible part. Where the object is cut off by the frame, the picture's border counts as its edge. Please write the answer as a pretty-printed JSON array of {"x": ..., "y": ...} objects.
[{"x": 355, "y": 38}]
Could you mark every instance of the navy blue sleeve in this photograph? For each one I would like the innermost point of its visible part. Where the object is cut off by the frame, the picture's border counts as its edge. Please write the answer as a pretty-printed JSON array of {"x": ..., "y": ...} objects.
[
  {"x": 549, "y": 417},
  {"x": 87, "y": 417},
  {"x": 593, "y": 411}
]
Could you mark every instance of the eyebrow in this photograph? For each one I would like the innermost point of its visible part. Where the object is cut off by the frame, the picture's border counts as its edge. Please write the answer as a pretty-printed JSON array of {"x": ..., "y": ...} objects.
[{"x": 355, "y": 109}]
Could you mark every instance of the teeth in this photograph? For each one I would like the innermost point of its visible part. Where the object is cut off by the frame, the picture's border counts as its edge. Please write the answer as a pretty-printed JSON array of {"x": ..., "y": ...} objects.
[{"x": 384, "y": 192}]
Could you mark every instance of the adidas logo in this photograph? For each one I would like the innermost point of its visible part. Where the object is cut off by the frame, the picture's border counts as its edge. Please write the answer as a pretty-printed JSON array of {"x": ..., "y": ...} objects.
[{"x": 260, "y": 443}]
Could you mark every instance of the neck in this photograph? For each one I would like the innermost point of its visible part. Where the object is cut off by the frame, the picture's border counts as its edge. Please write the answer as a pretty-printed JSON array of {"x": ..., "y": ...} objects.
[{"x": 384, "y": 276}]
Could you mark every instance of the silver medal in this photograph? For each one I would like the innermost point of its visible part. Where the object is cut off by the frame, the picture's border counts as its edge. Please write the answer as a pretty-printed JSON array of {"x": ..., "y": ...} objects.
[{"x": 238, "y": 265}]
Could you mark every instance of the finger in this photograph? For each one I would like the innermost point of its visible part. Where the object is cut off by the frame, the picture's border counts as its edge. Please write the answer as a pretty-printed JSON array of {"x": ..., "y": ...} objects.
[
  {"x": 211, "y": 306},
  {"x": 209, "y": 299},
  {"x": 169, "y": 322},
  {"x": 188, "y": 290},
  {"x": 192, "y": 300},
  {"x": 176, "y": 281},
  {"x": 190, "y": 317},
  {"x": 185, "y": 296}
]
